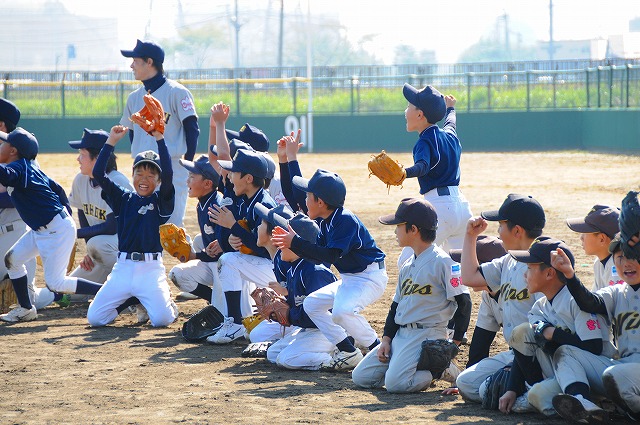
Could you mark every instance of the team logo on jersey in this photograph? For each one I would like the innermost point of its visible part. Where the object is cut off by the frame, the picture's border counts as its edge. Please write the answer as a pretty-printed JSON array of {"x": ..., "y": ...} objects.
[
  {"x": 455, "y": 282},
  {"x": 94, "y": 211},
  {"x": 9, "y": 190},
  {"x": 410, "y": 288},
  {"x": 592, "y": 324},
  {"x": 615, "y": 279},
  {"x": 508, "y": 293},
  {"x": 299, "y": 299},
  {"x": 143, "y": 209},
  {"x": 455, "y": 269},
  {"x": 208, "y": 229},
  {"x": 226, "y": 202},
  {"x": 186, "y": 104},
  {"x": 627, "y": 321}
]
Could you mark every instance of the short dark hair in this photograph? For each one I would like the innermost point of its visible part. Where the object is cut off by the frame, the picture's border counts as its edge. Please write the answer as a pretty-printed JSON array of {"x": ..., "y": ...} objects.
[
  {"x": 157, "y": 66},
  {"x": 329, "y": 206},
  {"x": 148, "y": 166},
  {"x": 531, "y": 233},
  {"x": 426, "y": 235},
  {"x": 559, "y": 274},
  {"x": 111, "y": 162},
  {"x": 258, "y": 182}
]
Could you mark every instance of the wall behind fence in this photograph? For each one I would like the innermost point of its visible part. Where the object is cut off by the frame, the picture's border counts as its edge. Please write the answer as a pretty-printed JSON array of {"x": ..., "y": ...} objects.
[{"x": 592, "y": 130}]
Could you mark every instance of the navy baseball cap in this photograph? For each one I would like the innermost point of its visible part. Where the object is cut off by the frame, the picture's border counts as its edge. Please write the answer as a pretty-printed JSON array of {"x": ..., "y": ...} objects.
[
  {"x": 488, "y": 248},
  {"x": 326, "y": 185},
  {"x": 282, "y": 216},
  {"x": 429, "y": 100},
  {"x": 271, "y": 165},
  {"x": 234, "y": 145},
  {"x": 150, "y": 157},
  {"x": 246, "y": 161},
  {"x": 91, "y": 139},
  {"x": 416, "y": 211},
  {"x": 251, "y": 135},
  {"x": 601, "y": 219},
  {"x": 145, "y": 49},
  {"x": 522, "y": 210},
  {"x": 9, "y": 112},
  {"x": 540, "y": 251},
  {"x": 203, "y": 167},
  {"x": 25, "y": 143},
  {"x": 615, "y": 243}
]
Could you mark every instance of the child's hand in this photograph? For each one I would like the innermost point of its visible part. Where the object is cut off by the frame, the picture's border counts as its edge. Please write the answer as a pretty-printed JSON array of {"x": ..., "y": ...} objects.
[
  {"x": 235, "y": 242},
  {"x": 282, "y": 151},
  {"x": 507, "y": 401},
  {"x": 384, "y": 351},
  {"x": 281, "y": 290},
  {"x": 449, "y": 100},
  {"x": 222, "y": 216},
  {"x": 213, "y": 249},
  {"x": 293, "y": 145},
  {"x": 561, "y": 262},
  {"x": 117, "y": 132},
  {"x": 476, "y": 225},
  {"x": 219, "y": 114},
  {"x": 157, "y": 135},
  {"x": 281, "y": 237}
]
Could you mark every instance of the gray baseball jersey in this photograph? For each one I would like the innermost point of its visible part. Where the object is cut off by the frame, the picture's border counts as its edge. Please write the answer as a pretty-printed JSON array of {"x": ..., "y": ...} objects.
[
  {"x": 623, "y": 307},
  {"x": 507, "y": 275},
  {"x": 177, "y": 103},
  {"x": 88, "y": 198},
  {"x": 605, "y": 274},
  {"x": 426, "y": 288}
]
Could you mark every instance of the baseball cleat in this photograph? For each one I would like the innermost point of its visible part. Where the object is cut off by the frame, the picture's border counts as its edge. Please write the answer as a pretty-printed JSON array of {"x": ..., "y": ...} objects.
[
  {"x": 65, "y": 301},
  {"x": 343, "y": 360},
  {"x": 451, "y": 373},
  {"x": 521, "y": 405},
  {"x": 20, "y": 314},
  {"x": 184, "y": 296},
  {"x": 229, "y": 332},
  {"x": 578, "y": 409}
]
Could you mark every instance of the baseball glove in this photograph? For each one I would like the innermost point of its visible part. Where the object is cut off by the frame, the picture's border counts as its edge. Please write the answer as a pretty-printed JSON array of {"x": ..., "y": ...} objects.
[
  {"x": 204, "y": 323},
  {"x": 7, "y": 296},
  {"x": 390, "y": 171},
  {"x": 495, "y": 387},
  {"x": 151, "y": 116},
  {"x": 251, "y": 322},
  {"x": 436, "y": 355},
  {"x": 271, "y": 306},
  {"x": 257, "y": 349},
  {"x": 174, "y": 241},
  {"x": 245, "y": 225},
  {"x": 630, "y": 224},
  {"x": 543, "y": 343}
]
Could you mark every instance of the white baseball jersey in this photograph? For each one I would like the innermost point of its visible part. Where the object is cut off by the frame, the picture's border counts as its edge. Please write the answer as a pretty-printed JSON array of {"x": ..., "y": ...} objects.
[
  {"x": 623, "y": 307},
  {"x": 177, "y": 103},
  {"x": 507, "y": 275},
  {"x": 87, "y": 197},
  {"x": 427, "y": 285},
  {"x": 604, "y": 274}
]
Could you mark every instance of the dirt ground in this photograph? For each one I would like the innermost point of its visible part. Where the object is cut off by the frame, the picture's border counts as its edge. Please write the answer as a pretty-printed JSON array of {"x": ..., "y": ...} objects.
[{"x": 59, "y": 370}]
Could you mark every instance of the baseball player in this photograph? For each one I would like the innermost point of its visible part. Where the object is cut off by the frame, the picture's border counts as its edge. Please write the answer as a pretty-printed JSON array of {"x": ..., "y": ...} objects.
[
  {"x": 42, "y": 205},
  {"x": 346, "y": 243},
  {"x": 303, "y": 346},
  {"x": 181, "y": 128},
  {"x": 597, "y": 229},
  {"x": 555, "y": 321},
  {"x": 139, "y": 274},
  {"x": 248, "y": 171},
  {"x": 428, "y": 293},
  {"x": 436, "y": 157},
  {"x": 199, "y": 275},
  {"x": 288, "y": 147},
  {"x": 580, "y": 372},
  {"x": 520, "y": 221}
]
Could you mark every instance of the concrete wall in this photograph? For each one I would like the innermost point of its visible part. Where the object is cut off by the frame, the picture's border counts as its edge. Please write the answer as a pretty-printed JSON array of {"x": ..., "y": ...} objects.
[{"x": 592, "y": 130}]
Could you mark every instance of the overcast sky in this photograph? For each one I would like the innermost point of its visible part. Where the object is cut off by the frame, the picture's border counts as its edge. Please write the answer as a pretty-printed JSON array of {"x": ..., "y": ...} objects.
[{"x": 448, "y": 27}]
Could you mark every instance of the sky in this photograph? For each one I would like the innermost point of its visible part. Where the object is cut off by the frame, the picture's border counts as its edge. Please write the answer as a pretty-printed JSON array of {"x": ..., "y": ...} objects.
[{"x": 447, "y": 27}]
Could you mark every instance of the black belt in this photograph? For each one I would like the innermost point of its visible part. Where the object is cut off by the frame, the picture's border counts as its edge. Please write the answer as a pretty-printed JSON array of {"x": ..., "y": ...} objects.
[
  {"x": 63, "y": 214},
  {"x": 414, "y": 326},
  {"x": 381, "y": 264},
  {"x": 140, "y": 256},
  {"x": 443, "y": 191}
]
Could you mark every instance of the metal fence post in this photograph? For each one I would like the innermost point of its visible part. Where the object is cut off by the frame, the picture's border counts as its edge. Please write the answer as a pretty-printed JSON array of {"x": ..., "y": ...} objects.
[
  {"x": 611, "y": 68},
  {"x": 62, "y": 97},
  {"x": 587, "y": 84},
  {"x": 295, "y": 96},
  {"x": 528, "y": 90},
  {"x": 469, "y": 78},
  {"x": 238, "y": 96},
  {"x": 628, "y": 72},
  {"x": 353, "y": 106},
  {"x": 489, "y": 92},
  {"x": 598, "y": 70}
]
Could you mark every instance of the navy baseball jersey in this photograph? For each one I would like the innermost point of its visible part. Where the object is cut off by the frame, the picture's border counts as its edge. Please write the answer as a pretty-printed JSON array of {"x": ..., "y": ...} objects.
[
  {"x": 280, "y": 268},
  {"x": 231, "y": 201},
  {"x": 208, "y": 229},
  {"x": 246, "y": 211},
  {"x": 138, "y": 217}
]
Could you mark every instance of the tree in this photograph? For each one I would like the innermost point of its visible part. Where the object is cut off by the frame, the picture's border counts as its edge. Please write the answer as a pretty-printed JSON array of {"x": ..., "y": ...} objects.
[{"x": 194, "y": 46}]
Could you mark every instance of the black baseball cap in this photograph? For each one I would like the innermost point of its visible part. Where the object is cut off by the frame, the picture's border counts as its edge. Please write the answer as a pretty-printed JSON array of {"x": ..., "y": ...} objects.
[
  {"x": 203, "y": 167},
  {"x": 251, "y": 135},
  {"x": 247, "y": 161},
  {"x": 9, "y": 112},
  {"x": 145, "y": 49},
  {"x": 25, "y": 143},
  {"x": 416, "y": 211},
  {"x": 488, "y": 248},
  {"x": 540, "y": 251},
  {"x": 149, "y": 157},
  {"x": 601, "y": 218},
  {"x": 429, "y": 100},
  {"x": 522, "y": 210},
  {"x": 326, "y": 185},
  {"x": 615, "y": 243},
  {"x": 91, "y": 139}
]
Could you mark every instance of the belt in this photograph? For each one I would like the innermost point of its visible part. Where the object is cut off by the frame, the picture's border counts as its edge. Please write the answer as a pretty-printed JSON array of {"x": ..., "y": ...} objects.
[
  {"x": 414, "y": 326},
  {"x": 6, "y": 228},
  {"x": 63, "y": 214},
  {"x": 381, "y": 264},
  {"x": 443, "y": 191},
  {"x": 139, "y": 256}
]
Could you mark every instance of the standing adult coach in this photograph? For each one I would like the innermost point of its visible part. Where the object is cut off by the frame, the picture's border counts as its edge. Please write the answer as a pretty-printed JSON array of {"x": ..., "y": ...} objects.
[{"x": 181, "y": 129}]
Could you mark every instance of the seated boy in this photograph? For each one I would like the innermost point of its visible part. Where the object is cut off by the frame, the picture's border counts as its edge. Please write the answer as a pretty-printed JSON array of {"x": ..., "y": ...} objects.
[
  {"x": 139, "y": 274},
  {"x": 428, "y": 293}
]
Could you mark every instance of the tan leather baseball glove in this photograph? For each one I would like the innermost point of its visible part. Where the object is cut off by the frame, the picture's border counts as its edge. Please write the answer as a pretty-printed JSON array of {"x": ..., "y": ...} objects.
[
  {"x": 7, "y": 296},
  {"x": 271, "y": 306},
  {"x": 151, "y": 116},
  {"x": 390, "y": 171},
  {"x": 174, "y": 241}
]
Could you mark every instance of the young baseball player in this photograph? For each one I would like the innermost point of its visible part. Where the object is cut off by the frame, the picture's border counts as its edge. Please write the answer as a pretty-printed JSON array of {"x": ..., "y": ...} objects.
[
  {"x": 428, "y": 293},
  {"x": 347, "y": 244},
  {"x": 139, "y": 274},
  {"x": 304, "y": 346},
  {"x": 436, "y": 157},
  {"x": 597, "y": 229},
  {"x": 555, "y": 317},
  {"x": 520, "y": 221},
  {"x": 42, "y": 205},
  {"x": 181, "y": 128},
  {"x": 586, "y": 372},
  {"x": 199, "y": 275},
  {"x": 247, "y": 173},
  {"x": 288, "y": 147}
]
